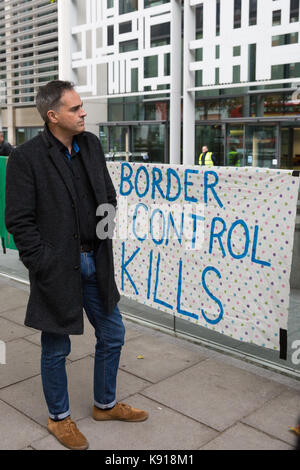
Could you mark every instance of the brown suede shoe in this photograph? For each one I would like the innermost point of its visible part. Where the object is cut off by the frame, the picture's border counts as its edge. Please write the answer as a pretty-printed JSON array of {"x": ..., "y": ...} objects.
[
  {"x": 67, "y": 433},
  {"x": 121, "y": 412}
]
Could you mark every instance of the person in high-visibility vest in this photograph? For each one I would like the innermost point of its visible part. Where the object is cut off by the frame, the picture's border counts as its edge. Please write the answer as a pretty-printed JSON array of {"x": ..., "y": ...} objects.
[
  {"x": 234, "y": 158},
  {"x": 206, "y": 158}
]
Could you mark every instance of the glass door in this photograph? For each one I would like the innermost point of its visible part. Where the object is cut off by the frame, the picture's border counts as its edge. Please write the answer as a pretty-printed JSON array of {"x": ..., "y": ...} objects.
[
  {"x": 148, "y": 143},
  {"x": 261, "y": 146},
  {"x": 235, "y": 145},
  {"x": 290, "y": 147},
  {"x": 211, "y": 136}
]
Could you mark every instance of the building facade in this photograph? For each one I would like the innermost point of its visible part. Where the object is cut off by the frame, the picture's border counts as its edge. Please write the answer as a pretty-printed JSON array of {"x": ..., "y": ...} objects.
[
  {"x": 163, "y": 78},
  {"x": 28, "y": 59}
]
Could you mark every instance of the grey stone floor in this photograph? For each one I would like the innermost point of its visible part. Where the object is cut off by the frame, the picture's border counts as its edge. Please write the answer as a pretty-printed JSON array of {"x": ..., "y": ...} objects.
[{"x": 197, "y": 398}]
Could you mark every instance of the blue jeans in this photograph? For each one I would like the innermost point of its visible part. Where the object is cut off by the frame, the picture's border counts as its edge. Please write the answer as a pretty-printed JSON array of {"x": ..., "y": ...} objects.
[{"x": 109, "y": 332}]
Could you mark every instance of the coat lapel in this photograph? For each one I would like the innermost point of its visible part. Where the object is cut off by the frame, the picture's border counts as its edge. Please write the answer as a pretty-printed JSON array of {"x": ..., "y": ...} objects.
[
  {"x": 61, "y": 166},
  {"x": 92, "y": 169}
]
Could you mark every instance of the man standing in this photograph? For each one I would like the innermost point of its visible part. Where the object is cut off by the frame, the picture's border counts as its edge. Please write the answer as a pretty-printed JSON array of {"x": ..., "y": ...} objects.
[
  {"x": 206, "y": 158},
  {"x": 5, "y": 147},
  {"x": 55, "y": 182}
]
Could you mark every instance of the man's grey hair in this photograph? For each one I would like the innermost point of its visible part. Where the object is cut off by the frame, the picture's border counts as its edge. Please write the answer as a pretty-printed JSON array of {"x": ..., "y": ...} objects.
[{"x": 49, "y": 97}]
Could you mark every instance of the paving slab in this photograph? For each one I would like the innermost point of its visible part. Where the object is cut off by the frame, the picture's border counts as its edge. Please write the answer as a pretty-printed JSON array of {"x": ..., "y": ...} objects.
[
  {"x": 165, "y": 429},
  {"x": 80, "y": 386},
  {"x": 277, "y": 416},
  {"x": 22, "y": 362},
  {"x": 161, "y": 358},
  {"x": 17, "y": 431},
  {"x": 10, "y": 330},
  {"x": 16, "y": 315},
  {"x": 11, "y": 298},
  {"x": 214, "y": 393},
  {"x": 242, "y": 437}
]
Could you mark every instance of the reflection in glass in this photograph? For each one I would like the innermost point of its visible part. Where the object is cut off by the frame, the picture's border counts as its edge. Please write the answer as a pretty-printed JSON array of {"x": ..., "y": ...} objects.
[
  {"x": 261, "y": 146},
  {"x": 235, "y": 146},
  {"x": 213, "y": 137},
  {"x": 127, "y": 6},
  {"x": 148, "y": 142}
]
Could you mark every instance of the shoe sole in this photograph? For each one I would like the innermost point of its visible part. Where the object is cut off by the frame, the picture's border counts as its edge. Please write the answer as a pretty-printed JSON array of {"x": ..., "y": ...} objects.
[
  {"x": 69, "y": 447},
  {"x": 138, "y": 420}
]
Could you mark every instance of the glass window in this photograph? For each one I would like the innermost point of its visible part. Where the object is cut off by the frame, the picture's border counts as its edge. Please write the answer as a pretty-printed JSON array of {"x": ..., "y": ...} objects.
[
  {"x": 134, "y": 79},
  {"x": 261, "y": 146},
  {"x": 198, "y": 77},
  {"x": 218, "y": 12},
  {"x": 212, "y": 136},
  {"x": 110, "y": 3},
  {"x": 236, "y": 51},
  {"x": 26, "y": 133},
  {"x": 167, "y": 64},
  {"x": 294, "y": 11},
  {"x": 217, "y": 52},
  {"x": 252, "y": 62},
  {"x": 154, "y": 3},
  {"x": 281, "y": 105},
  {"x": 234, "y": 155},
  {"x": 127, "y": 46},
  {"x": 276, "y": 20},
  {"x": 115, "y": 109},
  {"x": 215, "y": 109},
  {"x": 199, "y": 54},
  {"x": 133, "y": 109},
  {"x": 285, "y": 71},
  {"x": 110, "y": 35},
  {"x": 252, "y": 12},
  {"x": 199, "y": 21},
  {"x": 150, "y": 66},
  {"x": 148, "y": 143},
  {"x": 290, "y": 147},
  {"x": 125, "y": 27},
  {"x": 237, "y": 13},
  {"x": 217, "y": 76},
  {"x": 103, "y": 136},
  {"x": 160, "y": 34},
  {"x": 127, "y": 6},
  {"x": 283, "y": 39},
  {"x": 156, "y": 111},
  {"x": 236, "y": 74}
]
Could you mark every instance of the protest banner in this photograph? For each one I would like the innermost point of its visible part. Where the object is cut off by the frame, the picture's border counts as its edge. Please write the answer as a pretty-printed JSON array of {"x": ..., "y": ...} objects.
[{"x": 210, "y": 245}]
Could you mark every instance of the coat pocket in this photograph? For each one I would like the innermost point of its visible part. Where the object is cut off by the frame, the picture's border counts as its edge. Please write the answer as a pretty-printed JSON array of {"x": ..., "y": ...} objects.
[{"x": 47, "y": 260}]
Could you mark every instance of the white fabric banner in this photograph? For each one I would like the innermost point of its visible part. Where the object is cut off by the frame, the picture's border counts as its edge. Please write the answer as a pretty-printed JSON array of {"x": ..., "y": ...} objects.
[{"x": 210, "y": 245}]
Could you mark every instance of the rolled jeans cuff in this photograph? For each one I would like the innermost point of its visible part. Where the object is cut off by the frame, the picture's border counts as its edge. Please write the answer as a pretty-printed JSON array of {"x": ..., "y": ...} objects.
[
  {"x": 105, "y": 407},
  {"x": 60, "y": 416}
]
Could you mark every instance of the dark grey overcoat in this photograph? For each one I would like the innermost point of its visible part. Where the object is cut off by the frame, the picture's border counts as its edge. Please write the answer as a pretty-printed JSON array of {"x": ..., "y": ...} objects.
[{"x": 42, "y": 216}]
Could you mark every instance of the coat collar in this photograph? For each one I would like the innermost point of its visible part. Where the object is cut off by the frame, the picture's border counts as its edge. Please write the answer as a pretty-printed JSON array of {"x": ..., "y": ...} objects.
[{"x": 86, "y": 150}]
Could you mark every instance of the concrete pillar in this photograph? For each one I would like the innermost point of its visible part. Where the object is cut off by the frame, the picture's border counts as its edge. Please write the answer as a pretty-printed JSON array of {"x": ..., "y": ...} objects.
[
  {"x": 188, "y": 82},
  {"x": 175, "y": 95},
  {"x": 66, "y": 19}
]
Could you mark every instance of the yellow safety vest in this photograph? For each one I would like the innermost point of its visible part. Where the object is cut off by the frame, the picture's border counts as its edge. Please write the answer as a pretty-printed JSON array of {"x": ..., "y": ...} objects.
[{"x": 208, "y": 159}]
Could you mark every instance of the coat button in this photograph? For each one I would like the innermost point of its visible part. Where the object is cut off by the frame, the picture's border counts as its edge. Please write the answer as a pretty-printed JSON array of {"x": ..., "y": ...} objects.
[
  {"x": 76, "y": 267},
  {"x": 75, "y": 236}
]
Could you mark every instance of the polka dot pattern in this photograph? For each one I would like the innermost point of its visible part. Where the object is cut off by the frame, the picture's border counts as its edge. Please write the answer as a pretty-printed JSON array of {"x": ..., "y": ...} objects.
[{"x": 246, "y": 294}]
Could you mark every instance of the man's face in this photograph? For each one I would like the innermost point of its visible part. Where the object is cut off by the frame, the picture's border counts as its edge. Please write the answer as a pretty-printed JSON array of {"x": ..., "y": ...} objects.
[
  {"x": 204, "y": 149},
  {"x": 70, "y": 115},
  {"x": 1, "y": 138}
]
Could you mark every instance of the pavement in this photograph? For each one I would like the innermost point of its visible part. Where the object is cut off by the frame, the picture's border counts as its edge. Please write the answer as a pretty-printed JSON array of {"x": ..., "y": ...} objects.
[{"x": 197, "y": 398}]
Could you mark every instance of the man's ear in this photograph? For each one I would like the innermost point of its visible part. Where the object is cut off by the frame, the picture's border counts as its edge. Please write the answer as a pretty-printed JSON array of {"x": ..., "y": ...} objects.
[{"x": 52, "y": 116}]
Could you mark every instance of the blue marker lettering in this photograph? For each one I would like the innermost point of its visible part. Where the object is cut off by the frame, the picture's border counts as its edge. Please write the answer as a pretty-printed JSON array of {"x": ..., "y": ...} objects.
[
  {"x": 217, "y": 235},
  {"x": 211, "y": 186},
  {"x": 217, "y": 320}
]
